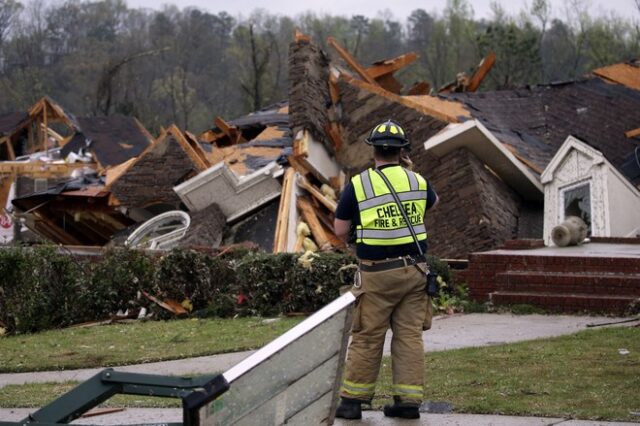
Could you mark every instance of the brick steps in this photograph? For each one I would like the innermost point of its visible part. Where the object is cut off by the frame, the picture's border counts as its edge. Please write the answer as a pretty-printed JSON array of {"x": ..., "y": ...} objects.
[
  {"x": 604, "y": 279},
  {"x": 481, "y": 262},
  {"x": 566, "y": 302},
  {"x": 601, "y": 283}
]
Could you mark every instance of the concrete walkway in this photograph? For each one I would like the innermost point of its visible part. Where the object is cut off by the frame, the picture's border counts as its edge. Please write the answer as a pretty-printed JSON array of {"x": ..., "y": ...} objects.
[
  {"x": 448, "y": 332},
  {"x": 370, "y": 418}
]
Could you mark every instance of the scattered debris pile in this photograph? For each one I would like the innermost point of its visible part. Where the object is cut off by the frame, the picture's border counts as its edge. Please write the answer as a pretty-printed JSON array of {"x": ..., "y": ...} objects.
[{"x": 273, "y": 177}]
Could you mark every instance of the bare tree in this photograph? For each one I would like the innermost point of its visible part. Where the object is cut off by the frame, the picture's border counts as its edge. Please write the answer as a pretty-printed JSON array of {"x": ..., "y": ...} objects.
[
  {"x": 541, "y": 9},
  {"x": 104, "y": 94}
]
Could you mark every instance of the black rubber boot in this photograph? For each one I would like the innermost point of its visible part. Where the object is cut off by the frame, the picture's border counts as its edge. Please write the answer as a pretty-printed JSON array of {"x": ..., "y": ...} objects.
[
  {"x": 349, "y": 409},
  {"x": 402, "y": 410}
]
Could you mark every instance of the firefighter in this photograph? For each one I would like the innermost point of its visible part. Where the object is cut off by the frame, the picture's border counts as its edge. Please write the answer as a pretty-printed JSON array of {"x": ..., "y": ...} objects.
[{"x": 390, "y": 283}]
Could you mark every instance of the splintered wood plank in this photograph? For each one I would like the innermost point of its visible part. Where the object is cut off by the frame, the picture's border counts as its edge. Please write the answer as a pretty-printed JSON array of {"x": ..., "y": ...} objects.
[
  {"x": 389, "y": 82},
  {"x": 299, "y": 36},
  {"x": 309, "y": 215},
  {"x": 420, "y": 88},
  {"x": 301, "y": 144},
  {"x": 632, "y": 133},
  {"x": 11, "y": 155},
  {"x": 282, "y": 224},
  {"x": 233, "y": 133},
  {"x": 351, "y": 61},
  {"x": 318, "y": 195},
  {"x": 334, "y": 92},
  {"x": 298, "y": 165},
  {"x": 6, "y": 180},
  {"x": 481, "y": 72},
  {"x": 403, "y": 100},
  {"x": 299, "y": 243},
  {"x": 38, "y": 169},
  {"x": 192, "y": 149},
  {"x": 333, "y": 130},
  {"x": 389, "y": 66},
  {"x": 523, "y": 160}
]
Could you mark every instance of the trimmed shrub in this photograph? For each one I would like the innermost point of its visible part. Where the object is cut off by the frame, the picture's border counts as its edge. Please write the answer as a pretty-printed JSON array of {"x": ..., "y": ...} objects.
[
  {"x": 196, "y": 278},
  {"x": 12, "y": 267},
  {"x": 41, "y": 288},
  {"x": 42, "y": 291},
  {"x": 115, "y": 282}
]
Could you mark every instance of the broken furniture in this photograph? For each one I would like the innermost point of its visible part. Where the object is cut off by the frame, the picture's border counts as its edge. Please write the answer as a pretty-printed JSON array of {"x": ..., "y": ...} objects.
[{"x": 293, "y": 380}]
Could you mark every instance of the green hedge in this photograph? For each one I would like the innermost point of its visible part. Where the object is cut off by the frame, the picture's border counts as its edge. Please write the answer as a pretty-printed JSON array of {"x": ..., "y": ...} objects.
[{"x": 43, "y": 288}]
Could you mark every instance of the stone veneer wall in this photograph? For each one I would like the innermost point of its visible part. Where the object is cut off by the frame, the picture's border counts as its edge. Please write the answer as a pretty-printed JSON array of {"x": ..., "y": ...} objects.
[{"x": 477, "y": 211}]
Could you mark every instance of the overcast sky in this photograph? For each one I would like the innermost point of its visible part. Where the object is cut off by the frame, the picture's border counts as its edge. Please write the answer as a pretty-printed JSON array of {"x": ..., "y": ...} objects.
[{"x": 400, "y": 9}]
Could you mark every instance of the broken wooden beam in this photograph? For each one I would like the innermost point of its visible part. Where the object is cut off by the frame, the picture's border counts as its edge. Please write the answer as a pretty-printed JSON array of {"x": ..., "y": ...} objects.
[
  {"x": 11, "y": 155},
  {"x": 317, "y": 194},
  {"x": 298, "y": 165},
  {"x": 232, "y": 132},
  {"x": 389, "y": 82},
  {"x": 309, "y": 215},
  {"x": 403, "y": 100},
  {"x": 282, "y": 223},
  {"x": 335, "y": 135},
  {"x": 299, "y": 36},
  {"x": 333, "y": 89},
  {"x": 389, "y": 66},
  {"x": 632, "y": 133},
  {"x": 420, "y": 88},
  {"x": 351, "y": 61},
  {"x": 481, "y": 72},
  {"x": 169, "y": 305}
]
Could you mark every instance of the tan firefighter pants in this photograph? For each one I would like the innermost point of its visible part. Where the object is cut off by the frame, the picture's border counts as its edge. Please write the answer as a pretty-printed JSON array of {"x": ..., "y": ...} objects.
[{"x": 395, "y": 298}]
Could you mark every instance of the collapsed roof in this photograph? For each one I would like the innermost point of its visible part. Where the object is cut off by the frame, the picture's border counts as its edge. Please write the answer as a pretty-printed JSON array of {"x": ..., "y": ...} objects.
[
  {"x": 535, "y": 121},
  {"x": 75, "y": 212},
  {"x": 113, "y": 139}
]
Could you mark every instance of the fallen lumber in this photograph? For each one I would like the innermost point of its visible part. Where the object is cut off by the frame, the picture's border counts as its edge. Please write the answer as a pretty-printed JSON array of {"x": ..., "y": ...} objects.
[
  {"x": 318, "y": 195},
  {"x": 282, "y": 225},
  {"x": 309, "y": 215}
]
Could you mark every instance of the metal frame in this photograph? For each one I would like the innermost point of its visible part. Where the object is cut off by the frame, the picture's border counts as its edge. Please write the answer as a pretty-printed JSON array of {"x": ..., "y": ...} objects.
[{"x": 195, "y": 393}]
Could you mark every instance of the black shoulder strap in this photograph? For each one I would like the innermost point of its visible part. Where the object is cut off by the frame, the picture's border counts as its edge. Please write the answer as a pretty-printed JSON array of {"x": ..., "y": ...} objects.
[{"x": 404, "y": 214}]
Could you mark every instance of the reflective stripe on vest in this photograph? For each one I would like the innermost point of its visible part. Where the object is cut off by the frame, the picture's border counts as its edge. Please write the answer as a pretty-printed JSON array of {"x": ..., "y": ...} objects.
[{"x": 382, "y": 223}]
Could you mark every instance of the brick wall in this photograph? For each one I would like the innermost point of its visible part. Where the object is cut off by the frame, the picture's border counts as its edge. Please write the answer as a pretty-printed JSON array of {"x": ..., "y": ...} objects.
[
  {"x": 477, "y": 211},
  {"x": 152, "y": 178}
]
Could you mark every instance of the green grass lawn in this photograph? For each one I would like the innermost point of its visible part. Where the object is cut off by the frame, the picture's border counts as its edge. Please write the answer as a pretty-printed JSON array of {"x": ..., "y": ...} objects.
[
  {"x": 135, "y": 343},
  {"x": 578, "y": 376}
]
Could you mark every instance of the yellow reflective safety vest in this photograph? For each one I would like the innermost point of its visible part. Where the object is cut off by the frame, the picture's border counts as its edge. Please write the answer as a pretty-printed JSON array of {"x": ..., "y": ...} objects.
[{"x": 381, "y": 222}]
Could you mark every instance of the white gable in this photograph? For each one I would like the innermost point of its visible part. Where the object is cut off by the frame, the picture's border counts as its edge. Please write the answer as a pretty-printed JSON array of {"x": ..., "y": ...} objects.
[{"x": 604, "y": 195}]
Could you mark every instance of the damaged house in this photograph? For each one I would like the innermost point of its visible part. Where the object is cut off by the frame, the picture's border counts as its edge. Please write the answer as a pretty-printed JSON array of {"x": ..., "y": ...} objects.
[
  {"x": 50, "y": 155},
  {"x": 273, "y": 176},
  {"x": 484, "y": 152}
]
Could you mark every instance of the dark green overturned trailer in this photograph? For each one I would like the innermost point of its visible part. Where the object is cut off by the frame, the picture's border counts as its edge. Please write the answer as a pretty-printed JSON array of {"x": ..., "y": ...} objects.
[{"x": 293, "y": 379}]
